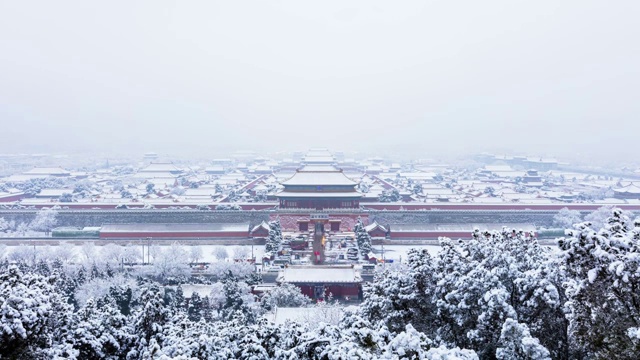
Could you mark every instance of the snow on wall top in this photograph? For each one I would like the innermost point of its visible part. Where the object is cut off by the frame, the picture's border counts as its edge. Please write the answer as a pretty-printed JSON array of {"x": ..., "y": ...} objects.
[{"x": 115, "y": 228}]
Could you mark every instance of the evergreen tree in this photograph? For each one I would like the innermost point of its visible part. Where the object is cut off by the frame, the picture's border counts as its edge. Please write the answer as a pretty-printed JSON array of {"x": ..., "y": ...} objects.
[
  {"x": 604, "y": 291},
  {"x": 275, "y": 236},
  {"x": 235, "y": 302},
  {"x": 465, "y": 296},
  {"x": 95, "y": 272},
  {"x": 517, "y": 344},
  {"x": 207, "y": 310},
  {"x": 194, "y": 312},
  {"x": 149, "y": 322},
  {"x": 179, "y": 298},
  {"x": 122, "y": 298},
  {"x": 362, "y": 238},
  {"x": 42, "y": 268},
  {"x": 81, "y": 276},
  {"x": 33, "y": 315}
]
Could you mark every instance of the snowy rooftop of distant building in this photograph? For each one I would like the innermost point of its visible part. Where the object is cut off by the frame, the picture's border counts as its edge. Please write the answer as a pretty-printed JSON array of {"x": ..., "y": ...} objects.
[
  {"x": 498, "y": 168},
  {"x": 319, "y": 274},
  {"x": 319, "y": 175},
  {"x": 319, "y": 159},
  {"x": 318, "y": 152},
  {"x": 155, "y": 175},
  {"x": 374, "y": 225},
  {"x": 47, "y": 171},
  {"x": 629, "y": 189},
  {"x": 161, "y": 167}
]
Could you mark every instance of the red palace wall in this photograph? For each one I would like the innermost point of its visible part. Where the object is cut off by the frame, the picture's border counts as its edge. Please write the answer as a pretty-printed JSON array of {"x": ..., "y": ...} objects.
[{"x": 289, "y": 222}]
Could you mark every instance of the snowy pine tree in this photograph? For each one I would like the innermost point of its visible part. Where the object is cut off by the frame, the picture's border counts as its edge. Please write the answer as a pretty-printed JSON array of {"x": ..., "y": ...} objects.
[
  {"x": 517, "y": 344},
  {"x": 362, "y": 238},
  {"x": 194, "y": 311},
  {"x": 235, "y": 301},
  {"x": 33, "y": 315},
  {"x": 604, "y": 286},
  {"x": 149, "y": 322},
  {"x": 275, "y": 236}
]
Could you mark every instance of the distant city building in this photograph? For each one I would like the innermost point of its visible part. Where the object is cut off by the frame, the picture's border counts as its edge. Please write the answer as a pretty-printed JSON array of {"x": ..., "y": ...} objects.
[
  {"x": 215, "y": 170},
  {"x": 631, "y": 191},
  {"x": 537, "y": 163},
  {"x": 150, "y": 156},
  {"x": 319, "y": 157},
  {"x": 56, "y": 172},
  {"x": 163, "y": 172},
  {"x": 532, "y": 178}
]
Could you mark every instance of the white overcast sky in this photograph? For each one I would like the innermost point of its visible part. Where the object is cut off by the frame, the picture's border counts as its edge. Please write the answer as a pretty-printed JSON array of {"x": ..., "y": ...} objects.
[{"x": 556, "y": 77}]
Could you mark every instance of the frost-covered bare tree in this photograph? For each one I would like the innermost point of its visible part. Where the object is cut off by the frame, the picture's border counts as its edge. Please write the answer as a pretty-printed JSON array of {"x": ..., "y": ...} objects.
[
  {"x": 220, "y": 252},
  {"x": 565, "y": 218},
  {"x": 44, "y": 221},
  {"x": 6, "y": 226},
  {"x": 241, "y": 252},
  {"x": 195, "y": 254},
  {"x": 285, "y": 295},
  {"x": 172, "y": 262},
  {"x": 111, "y": 253},
  {"x": 598, "y": 218},
  {"x": 89, "y": 251}
]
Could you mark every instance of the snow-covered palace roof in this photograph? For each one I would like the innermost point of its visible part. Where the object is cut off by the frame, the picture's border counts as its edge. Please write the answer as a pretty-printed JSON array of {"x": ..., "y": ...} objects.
[
  {"x": 319, "y": 274},
  {"x": 319, "y": 175}
]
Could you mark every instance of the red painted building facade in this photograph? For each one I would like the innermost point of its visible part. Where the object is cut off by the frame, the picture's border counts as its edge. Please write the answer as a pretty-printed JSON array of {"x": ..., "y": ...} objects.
[{"x": 317, "y": 282}]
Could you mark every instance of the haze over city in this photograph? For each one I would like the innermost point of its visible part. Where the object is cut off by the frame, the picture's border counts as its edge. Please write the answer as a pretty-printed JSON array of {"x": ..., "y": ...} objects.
[{"x": 546, "y": 78}]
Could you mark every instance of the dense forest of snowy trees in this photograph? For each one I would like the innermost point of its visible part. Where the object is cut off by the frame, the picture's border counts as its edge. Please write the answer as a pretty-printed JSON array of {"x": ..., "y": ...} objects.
[{"x": 499, "y": 295}]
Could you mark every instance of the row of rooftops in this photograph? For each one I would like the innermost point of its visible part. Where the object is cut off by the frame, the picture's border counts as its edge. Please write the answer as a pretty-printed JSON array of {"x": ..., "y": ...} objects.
[{"x": 320, "y": 179}]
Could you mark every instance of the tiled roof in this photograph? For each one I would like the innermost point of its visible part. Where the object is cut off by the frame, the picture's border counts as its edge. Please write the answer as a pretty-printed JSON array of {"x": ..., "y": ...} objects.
[
  {"x": 319, "y": 274},
  {"x": 317, "y": 175}
]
